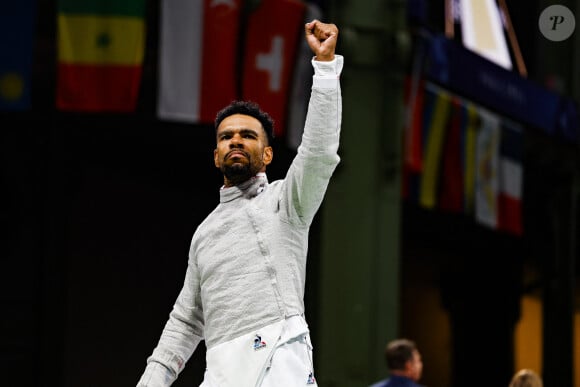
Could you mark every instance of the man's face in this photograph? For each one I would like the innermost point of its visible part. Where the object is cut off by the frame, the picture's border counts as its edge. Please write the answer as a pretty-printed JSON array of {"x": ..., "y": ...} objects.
[
  {"x": 415, "y": 366},
  {"x": 241, "y": 149}
]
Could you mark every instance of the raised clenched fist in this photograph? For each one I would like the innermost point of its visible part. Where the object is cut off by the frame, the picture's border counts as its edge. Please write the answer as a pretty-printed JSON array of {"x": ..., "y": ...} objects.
[{"x": 321, "y": 38}]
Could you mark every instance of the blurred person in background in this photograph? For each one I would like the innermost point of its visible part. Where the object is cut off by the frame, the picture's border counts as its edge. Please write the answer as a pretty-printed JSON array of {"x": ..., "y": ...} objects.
[
  {"x": 526, "y": 378},
  {"x": 404, "y": 363}
]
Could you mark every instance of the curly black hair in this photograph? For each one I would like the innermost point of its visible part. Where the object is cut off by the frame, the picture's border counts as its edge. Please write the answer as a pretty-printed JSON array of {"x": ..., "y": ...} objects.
[{"x": 251, "y": 109}]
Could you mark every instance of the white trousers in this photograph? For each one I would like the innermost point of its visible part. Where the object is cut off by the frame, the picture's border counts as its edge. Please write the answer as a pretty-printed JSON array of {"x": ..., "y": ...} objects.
[
  {"x": 279, "y": 355},
  {"x": 291, "y": 365}
]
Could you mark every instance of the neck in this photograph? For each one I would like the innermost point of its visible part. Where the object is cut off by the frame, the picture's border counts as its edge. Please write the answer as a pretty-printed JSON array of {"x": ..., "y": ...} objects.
[
  {"x": 230, "y": 183},
  {"x": 400, "y": 373}
]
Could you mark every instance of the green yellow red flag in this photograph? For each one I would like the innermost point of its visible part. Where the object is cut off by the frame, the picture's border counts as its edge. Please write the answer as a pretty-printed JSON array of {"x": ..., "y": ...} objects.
[{"x": 101, "y": 45}]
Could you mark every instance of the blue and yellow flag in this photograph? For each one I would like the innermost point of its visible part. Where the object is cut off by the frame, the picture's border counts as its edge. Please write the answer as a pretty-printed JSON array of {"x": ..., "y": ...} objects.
[
  {"x": 17, "y": 28},
  {"x": 433, "y": 148}
]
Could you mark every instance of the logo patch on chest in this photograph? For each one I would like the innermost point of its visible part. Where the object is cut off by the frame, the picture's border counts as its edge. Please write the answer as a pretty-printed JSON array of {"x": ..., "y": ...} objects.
[{"x": 259, "y": 343}]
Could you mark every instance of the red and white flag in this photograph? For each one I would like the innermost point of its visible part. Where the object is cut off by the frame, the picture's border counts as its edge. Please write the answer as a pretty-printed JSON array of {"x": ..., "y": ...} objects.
[
  {"x": 197, "y": 62},
  {"x": 272, "y": 40}
]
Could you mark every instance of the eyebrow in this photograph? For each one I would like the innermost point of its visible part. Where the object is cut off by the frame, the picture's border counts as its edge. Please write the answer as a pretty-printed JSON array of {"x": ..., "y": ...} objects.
[{"x": 242, "y": 131}]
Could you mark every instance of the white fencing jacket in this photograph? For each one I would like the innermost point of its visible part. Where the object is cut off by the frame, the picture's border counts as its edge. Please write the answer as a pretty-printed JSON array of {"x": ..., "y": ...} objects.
[{"x": 247, "y": 262}]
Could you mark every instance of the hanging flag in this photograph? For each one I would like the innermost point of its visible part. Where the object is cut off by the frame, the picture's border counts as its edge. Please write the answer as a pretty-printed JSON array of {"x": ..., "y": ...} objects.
[
  {"x": 17, "y": 26},
  {"x": 272, "y": 40},
  {"x": 198, "y": 65},
  {"x": 413, "y": 140},
  {"x": 411, "y": 181},
  {"x": 487, "y": 169},
  {"x": 101, "y": 47},
  {"x": 433, "y": 147},
  {"x": 510, "y": 178},
  {"x": 414, "y": 100},
  {"x": 472, "y": 123},
  {"x": 451, "y": 191},
  {"x": 301, "y": 84}
]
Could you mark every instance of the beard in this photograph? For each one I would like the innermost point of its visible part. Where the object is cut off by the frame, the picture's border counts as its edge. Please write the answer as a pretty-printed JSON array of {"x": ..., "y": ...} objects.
[{"x": 238, "y": 173}]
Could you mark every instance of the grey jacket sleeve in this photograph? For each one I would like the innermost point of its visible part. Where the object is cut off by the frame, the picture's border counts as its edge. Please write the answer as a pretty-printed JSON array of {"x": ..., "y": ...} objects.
[
  {"x": 180, "y": 337},
  {"x": 317, "y": 157}
]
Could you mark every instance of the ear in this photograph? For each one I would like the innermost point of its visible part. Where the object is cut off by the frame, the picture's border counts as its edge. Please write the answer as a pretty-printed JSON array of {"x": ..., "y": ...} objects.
[
  {"x": 267, "y": 155},
  {"x": 216, "y": 158}
]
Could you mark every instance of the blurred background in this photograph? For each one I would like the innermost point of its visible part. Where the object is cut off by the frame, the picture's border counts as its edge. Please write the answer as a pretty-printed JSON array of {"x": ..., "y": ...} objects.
[{"x": 452, "y": 219}]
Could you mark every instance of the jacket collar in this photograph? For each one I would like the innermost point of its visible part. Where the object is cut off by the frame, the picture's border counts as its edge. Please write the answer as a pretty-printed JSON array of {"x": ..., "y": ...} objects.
[{"x": 248, "y": 189}]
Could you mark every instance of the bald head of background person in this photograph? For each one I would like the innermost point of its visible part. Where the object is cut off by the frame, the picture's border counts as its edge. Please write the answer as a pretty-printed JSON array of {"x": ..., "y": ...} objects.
[
  {"x": 526, "y": 378},
  {"x": 404, "y": 363}
]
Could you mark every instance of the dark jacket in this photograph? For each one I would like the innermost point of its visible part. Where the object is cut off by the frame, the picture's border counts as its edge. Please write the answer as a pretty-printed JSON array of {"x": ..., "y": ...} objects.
[{"x": 396, "y": 381}]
